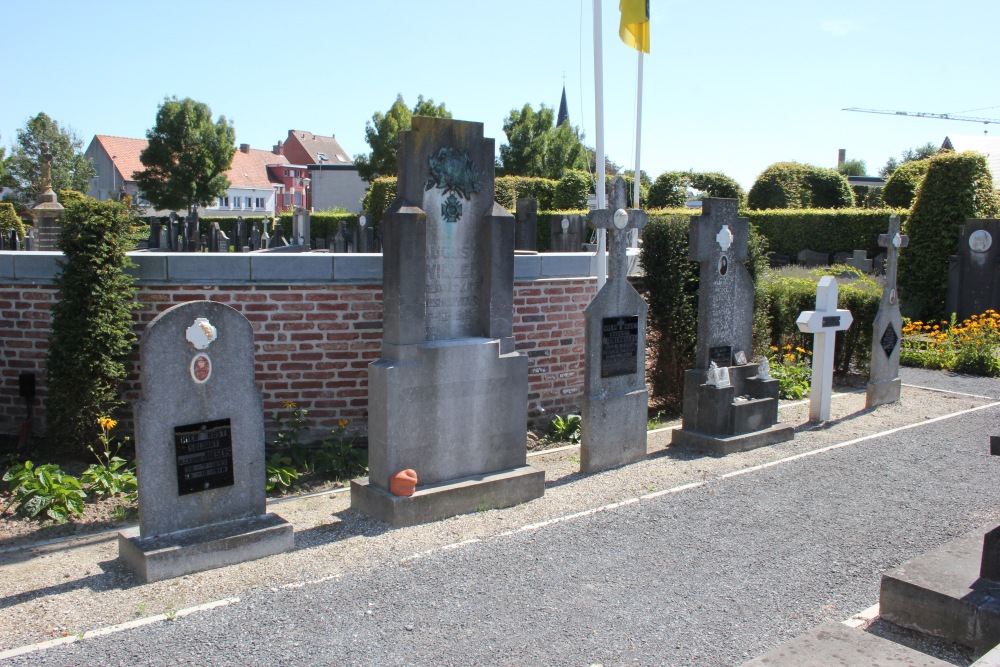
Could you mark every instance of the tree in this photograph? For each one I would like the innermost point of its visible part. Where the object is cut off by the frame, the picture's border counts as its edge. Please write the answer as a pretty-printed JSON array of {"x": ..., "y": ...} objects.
[
  {"x": 187, "y": 157},
  {"x": 853, "y": 168},
  {"x": 909, "y": 155},
  {"x": 668, "y": 190},
  {"x": 382, "y": 135},
  {"x": 794, "y": 185},
  {"x": 536, "y": 147},
  {"x": 71, "y": 169}
]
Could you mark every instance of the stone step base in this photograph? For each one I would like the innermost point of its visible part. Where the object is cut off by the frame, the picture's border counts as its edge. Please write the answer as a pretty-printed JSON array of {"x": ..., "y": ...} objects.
[
  {"x": 837, "y": 644},
  {"x": 728, "y": 444},
  {"x": 450, "y": 498},
  {"x": 217, "y": 545}
]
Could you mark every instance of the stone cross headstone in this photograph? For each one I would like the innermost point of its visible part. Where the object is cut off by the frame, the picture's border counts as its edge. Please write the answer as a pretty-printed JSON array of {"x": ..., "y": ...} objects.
[
  {"x": 859, "y": 260},
  {"x": 883, "y": 381},
  {"x": 615, "y": 402},
  {"x": 823, "y": 323},
  {"x": 448, "y": 398},
  {"x": 213, "y": 238},
  {"x": 301, "y": 227},
  {"x": 526, "y": 224},
  {"x": 172, "y": 232},
  {"x": 47, "y": 210},
  {"x": 974, "y": 271},
  {"x": 199, "y": 447},
  {"x": 737, "y": 408},
  {"x": 240, "y": 234},
  {"x": 254, "y": 242}
]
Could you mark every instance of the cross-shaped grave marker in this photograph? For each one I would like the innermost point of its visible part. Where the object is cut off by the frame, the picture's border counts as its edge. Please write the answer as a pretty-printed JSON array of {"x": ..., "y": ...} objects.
[
  {"x": 618, "y": 220},
  {"x": 883, "y": 382},
  {"x": 823, "y": 323}
]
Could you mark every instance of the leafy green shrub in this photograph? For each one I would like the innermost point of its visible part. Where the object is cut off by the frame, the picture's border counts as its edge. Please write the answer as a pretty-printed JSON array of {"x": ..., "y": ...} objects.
[
  {"x": 111, "y": 475},
  {"x": 792, "y": 368},
  {"x": 794, "y": 185},
  {"x": 378, "y": 198},
  {"x": 43, "y": 488},
  {"x": 280, "y": 473},
  {"x": 566, "y": 430},
  {"x": 9, "y": 219},
  {"x": 901, "y": 186},
  {"x": 668, "y": 190},
  {"x": 508, "y": 189},
  {"x": 228, "y": 224},
  {"x": 788, "y": 231},
  {"x": 717, "y": 184},
  {"x": 572, "y": 190},
  {"x": 793, "y": 290},
  {"x": 91, "y": 321},
  {"x": 956, "y": 187}
]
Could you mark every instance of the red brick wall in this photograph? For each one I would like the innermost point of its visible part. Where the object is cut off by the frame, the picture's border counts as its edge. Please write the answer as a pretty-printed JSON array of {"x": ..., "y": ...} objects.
[{"x": 313, "y": 344}]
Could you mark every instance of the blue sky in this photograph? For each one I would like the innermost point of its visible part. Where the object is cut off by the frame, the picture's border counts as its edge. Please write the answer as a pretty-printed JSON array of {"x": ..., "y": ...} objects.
[{"x": 730, "y": 86}]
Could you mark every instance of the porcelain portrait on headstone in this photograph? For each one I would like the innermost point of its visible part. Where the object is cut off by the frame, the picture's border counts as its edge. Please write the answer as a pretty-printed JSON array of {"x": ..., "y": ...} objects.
[
  {"x": 980, "y": 240},
  {"x": 201, "y": 333}
]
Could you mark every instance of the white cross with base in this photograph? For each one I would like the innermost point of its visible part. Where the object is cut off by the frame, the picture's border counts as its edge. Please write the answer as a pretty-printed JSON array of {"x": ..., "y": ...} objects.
[
  {"x": 823, "y": 323},
  {"x": 618, "y": 220}
]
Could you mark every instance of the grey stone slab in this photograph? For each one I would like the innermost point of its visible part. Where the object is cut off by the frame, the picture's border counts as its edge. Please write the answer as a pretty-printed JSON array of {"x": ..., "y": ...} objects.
[
  {"x": 974, "y": 271},
  {"x": 149, "y": 266},
  {"x": 458, "y": 496},
  {"x": 7, "y": 263},
  {"x": 360, "y": 267},
  {"x": 527, "y": 267},
  {"x": 887, "y": 329},
  {"x": 614, "y": 430},
  {"x": 41, "y": 265},
  {"x": 723, "y": 445},
  {"x": 300, "y": 267},
  {"x": 941, "y": 593},
  {"x": 991, "y": 659},
  {"x": 217, "y": 545},
  {"x": 526, "y": 226},
  {"x": 208, "y": 268},
  {"x": 558, "y": 265},
  {"x": 833, "y": 644}
]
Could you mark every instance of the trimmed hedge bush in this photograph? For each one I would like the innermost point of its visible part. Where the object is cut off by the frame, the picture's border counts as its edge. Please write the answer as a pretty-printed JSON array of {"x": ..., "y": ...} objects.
[
  {"x": 571, "y": 191},
  {"x": 91, "y": 322},
  {"x": 508, "y": 189},
  {"x": 956, "y": 187},
  {"x": 717, "y": 184},
  {"x": 378, "y": 197},
  {"x": 667, "y": 190},
  {"x": 321, "y": 223},
  {"x": 794, "y": 185},
  {"x": 789, "y": 231},
  {"x": 9, "y": 219},
  {"x": 901, "y": 187}
]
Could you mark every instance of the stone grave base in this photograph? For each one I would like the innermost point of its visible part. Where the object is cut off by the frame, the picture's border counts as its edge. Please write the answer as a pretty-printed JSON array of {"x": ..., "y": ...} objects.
[
  {"x": 186, "y": 551},
  {"x": 941, "y": 593},
  {"x": 446, "y": 499},
  {"x": 837, "y": 644},
  {"x": 880, "y": 393},
  {"x": 720, "y": 445},
  {"x": 614, "y": 430}
]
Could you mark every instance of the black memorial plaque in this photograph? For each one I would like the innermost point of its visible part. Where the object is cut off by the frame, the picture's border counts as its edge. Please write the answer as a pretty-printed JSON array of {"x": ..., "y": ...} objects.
[
  {"x": 204, "y": 456},
  {"x": 619, "y": 346},
  {"x": 889, "y": 340},
  {"x": 722, "y": 355},
  {"x": 831, "y": 321}
]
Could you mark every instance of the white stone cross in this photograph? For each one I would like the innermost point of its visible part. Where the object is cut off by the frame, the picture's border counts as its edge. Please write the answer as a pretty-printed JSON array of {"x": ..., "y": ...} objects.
[
  {"x": 823, "y": 323},
  {"x": 618, "y": 220}
]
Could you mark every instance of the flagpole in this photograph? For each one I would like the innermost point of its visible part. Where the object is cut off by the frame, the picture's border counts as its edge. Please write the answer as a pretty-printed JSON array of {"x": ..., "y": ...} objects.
[
  {"x": 602, "y": 257},
  {"x": 637, "y": 175}
]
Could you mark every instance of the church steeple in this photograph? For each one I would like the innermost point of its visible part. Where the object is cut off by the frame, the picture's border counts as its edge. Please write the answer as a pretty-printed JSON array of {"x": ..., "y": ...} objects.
[{"x": 563, "y": 116}]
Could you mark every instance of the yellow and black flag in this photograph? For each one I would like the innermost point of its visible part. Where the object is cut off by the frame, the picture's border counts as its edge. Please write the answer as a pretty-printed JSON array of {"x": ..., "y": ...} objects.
[{"x": 634, "y": 28}]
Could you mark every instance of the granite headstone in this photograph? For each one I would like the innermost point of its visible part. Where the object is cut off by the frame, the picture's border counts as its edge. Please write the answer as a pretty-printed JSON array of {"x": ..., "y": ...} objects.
[
  {"x": 974, "y": 271},
  {"x": 883, "y": 380}
]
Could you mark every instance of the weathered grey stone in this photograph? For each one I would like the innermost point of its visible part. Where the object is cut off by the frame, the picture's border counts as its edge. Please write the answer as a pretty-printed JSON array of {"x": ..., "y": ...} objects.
[
  {"x": 974, "y": 271},
  {"x": 724, "y": 419},
  {"x": 859, "y": 260},
  {"x": 149, "y": 266},
  {"x": 887, "y": 330},
  {"x": 448, "y": 398},
  {"x": 358, "y": 266},
  {"x": 940, "y": 593},
  {"x": 527, "y": 267},
  {"x": 37, "y": 265},
  {"x": 526, "y": 225},
  {"x": 813, "y": 258},
  {"x": 561, "y": 265},
  {"x": 615, "y": 401},
  {"x": 837, "y": 644},
  {"x": 7, "y": 264},
  {"x": 221, "y": 268},
  {"x": 567, "y": 233},
  {"x": 197, "y": 381},
  {"x": 302, "y": 267}
]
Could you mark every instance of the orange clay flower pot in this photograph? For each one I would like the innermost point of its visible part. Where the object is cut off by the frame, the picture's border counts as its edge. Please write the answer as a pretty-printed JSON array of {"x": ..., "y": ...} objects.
[{"x": 403, "y": 483}]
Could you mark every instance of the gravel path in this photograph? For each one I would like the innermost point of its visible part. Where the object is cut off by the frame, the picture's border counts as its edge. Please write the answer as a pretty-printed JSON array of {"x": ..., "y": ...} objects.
[{"x": 715, "y": 574}]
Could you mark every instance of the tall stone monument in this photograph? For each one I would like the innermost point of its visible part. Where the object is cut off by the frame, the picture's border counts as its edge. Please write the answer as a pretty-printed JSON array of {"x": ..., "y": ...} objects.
[
  {"x": 47, "y": 210},
  {"x": 448, "y": 398},
  {"x": 615, "y": 402},
  {"x": 199, "y": 448},
  {"x": 974, "y": 270},
  {"x": 883, "y": 380},
  {"x": 730, "y": 404}
]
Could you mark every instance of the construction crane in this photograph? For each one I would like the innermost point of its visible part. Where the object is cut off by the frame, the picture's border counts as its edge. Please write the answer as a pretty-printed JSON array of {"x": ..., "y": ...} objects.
[{"x": 921, "y": 114}]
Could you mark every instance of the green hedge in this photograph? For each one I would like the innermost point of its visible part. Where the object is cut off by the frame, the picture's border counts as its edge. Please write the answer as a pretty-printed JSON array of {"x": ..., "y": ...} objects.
[
  {"x": 956, "y": 187},
  {"x": 794, "y": 185},
  {"x": 508, "y": 189},
  {"x": 321, "y": 223},
  {"x": 901, "y": 187},
  {"x": 379, "y": 196},
  {"x": 789, "y": 231},
  {"x": 792, "y": 290},
  {"x": 9, "y": 219},
  {"x": 572, "y": 191}
]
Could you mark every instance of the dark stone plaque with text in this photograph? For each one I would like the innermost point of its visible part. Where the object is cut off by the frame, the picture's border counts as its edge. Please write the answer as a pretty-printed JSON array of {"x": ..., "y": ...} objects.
[
  {"x": 204, "y": 456},
  {"x": 722, "y": 355},
  {"x": 619, "y": 346}
]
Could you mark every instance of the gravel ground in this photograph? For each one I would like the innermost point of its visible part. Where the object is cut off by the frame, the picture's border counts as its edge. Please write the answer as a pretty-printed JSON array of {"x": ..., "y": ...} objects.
[{"x": 713, "y": 575}]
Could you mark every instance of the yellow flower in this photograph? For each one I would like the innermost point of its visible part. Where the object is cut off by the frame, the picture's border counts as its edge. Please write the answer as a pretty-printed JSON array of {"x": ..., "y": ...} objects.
[
  {"x": 789, "y": 357},
  {"x": 106, "y": 423},
  {"x": 342, "y": 423},
  {"x": 800, "y": 350},
  {"x": 290, "y": 405},
  {"x": 774, "y": 347},
  {"x": 788, "y": 347}
]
